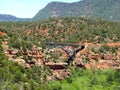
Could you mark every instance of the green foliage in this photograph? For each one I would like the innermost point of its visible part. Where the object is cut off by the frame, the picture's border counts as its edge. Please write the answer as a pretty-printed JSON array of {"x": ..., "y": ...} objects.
[
  {"x": 2, "y": 37},
  {"x": 69, "y": 30},
  {"x": 106, "y": 49},
  {"x": 89, "y": 80},
  {"x": 14, "y": 76},
  {"x": 73, "y": 29},
  {"x": 107, "y": 9}
]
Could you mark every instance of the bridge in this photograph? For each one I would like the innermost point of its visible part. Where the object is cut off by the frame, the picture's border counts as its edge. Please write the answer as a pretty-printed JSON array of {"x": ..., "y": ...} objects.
[
  {"x": 52, "y": 44},
  {"x": 70, "y": 52}
]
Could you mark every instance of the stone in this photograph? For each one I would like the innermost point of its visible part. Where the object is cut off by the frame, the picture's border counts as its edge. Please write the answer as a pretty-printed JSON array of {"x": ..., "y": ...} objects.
[
  {"x": 94, "y": 56},
  {"x": 20, "y": 61},
  {"x": 108, "y": 57}
]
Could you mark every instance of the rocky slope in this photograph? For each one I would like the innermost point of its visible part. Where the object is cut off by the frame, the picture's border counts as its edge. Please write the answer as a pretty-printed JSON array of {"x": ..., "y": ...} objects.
[{"x": 92, "y": 57}]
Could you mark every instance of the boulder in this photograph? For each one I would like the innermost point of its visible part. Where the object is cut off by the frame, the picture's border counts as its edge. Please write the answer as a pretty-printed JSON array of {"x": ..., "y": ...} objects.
[
  {"x": 94, "y": 56},
  {"x": 61, "y": 74},
  {"x": 20, "y": 61}
]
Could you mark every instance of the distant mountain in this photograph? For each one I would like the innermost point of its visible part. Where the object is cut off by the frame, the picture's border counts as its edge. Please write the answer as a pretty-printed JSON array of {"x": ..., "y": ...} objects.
[
  {"x": 107, "y": 9},
  {"x": 6, "y": 17}
]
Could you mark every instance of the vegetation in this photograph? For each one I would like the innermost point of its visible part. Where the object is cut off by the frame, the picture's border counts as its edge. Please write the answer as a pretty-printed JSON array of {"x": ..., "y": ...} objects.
[
  {"x": 107, "y": 9},
  {"x": 15, "y": 77},
  {"x": 89, "y": 80},
  {"x": 73, "y": 30}
]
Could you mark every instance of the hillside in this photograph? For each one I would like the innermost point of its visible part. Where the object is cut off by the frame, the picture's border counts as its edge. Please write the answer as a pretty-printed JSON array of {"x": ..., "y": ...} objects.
[
  {"x": 107, "y": 9},
  {"x": 67, "y": 30},
  {"x": 26, "y": 63},
  {"x": 6, "y": 17}
]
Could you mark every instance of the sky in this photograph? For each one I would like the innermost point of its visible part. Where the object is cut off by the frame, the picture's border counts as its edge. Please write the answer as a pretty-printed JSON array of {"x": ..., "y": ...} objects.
[{"x": 25, "y": 8}]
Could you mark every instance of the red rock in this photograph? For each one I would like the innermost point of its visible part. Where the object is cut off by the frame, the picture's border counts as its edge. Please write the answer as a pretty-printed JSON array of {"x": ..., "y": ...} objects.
[
  {"x": 55, "y": 66},
  {"x": 105, "y": 65},
  {"x": 108, "y": 57},
  {"x": 38, "y": 56},
  {"x": 3, "y": 34},
  {"x": 61, "y": 74},
  {"x": 87, "y": 66},
  {"x": 40, "y": 62},
  {"x": 34, "y": 52},
  {"x": 5, "y": 42},
  {"x": 94, "y": 57}
]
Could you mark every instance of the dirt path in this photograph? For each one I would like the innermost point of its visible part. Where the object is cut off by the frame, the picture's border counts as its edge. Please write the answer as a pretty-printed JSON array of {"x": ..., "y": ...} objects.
[{"x": 108, "y": 44}]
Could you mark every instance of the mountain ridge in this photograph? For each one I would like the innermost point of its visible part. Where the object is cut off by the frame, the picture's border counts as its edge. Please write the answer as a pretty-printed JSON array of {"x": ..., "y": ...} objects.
[
  {"x": 107, "y": 9},
  {"x": 7, "y": 17}
]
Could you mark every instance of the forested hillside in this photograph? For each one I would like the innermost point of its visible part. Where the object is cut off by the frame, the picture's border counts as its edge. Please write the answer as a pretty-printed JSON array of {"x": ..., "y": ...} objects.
[
  {"x": 72, "y": 30},
  {"x": 107, "y": 9}
]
